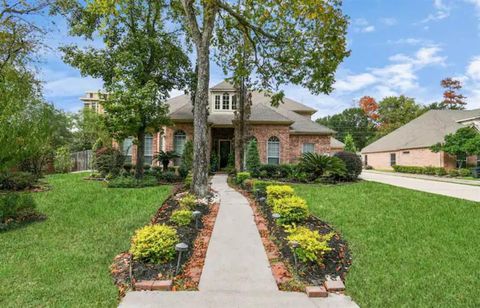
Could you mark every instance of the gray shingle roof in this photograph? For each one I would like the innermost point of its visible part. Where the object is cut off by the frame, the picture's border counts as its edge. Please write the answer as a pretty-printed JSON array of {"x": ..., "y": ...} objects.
[
  {"x": 424, "y": 131},
  {"x": 290, "y": 112},
  {"x": 335, "y": 143}
]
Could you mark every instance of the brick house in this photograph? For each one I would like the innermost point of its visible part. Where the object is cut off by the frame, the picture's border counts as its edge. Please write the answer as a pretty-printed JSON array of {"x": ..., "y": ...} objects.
[
  {"x": 410, "y": 144},
  {"x": 282, "y": 133}
]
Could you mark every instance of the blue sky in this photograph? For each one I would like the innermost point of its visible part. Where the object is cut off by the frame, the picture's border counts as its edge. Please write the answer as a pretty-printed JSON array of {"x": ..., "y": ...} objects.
[{"x": 398, "y": 47}]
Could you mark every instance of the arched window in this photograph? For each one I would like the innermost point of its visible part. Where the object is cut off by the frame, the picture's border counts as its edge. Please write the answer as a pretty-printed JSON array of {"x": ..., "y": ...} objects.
[
  {"x": 226, "y": 101},
  {"x": 273, "y": 151},
  {"x": 179, "y": 139},
  {"x": 127, "y": 149}
]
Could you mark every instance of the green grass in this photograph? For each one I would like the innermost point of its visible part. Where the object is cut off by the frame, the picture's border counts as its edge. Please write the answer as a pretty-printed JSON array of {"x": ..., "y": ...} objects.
[
  {"x": 64, "y": 261},
  {"x": 410, "y": 249}
]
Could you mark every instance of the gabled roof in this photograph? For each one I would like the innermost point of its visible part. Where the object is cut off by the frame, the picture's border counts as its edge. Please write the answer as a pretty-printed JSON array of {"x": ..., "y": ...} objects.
[
  {"x": 422, "y": 132},
  {"x": 335, "y": 143},
  {"x": 289, "y": 112}
]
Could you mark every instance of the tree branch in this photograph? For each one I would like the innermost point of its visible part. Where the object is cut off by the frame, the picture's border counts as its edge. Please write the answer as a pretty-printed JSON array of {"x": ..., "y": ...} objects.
[{"x": 191, "y": 19}]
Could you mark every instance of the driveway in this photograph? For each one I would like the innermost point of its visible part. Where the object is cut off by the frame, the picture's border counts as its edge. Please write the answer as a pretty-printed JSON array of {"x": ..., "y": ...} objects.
[{"x": 467, "y": 192}]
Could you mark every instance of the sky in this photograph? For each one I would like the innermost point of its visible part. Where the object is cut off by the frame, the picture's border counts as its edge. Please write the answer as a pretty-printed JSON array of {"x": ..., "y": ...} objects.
[{"x": 397, "y": 47}]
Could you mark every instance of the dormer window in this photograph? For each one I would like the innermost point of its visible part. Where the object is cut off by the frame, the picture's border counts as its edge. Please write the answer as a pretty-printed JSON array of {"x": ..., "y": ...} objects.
[
  {"x": 234, "y": 102},
  {"x": 226, "y": 101},
  {"x": 217, "y": 102}
]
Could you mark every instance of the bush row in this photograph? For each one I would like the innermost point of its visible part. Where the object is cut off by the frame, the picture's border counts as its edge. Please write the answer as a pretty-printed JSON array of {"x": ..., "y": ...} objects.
[{"x": 439, "y": 171}]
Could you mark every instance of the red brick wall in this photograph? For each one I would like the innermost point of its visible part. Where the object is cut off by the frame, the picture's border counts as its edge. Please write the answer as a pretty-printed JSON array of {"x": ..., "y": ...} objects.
[
  {"x": 264, "y": 132},
  {"x": 322, "y": 145},
  {"x": 169, "y": 131}
]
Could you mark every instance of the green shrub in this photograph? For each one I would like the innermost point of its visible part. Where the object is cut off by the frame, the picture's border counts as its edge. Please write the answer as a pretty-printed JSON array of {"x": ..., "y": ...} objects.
[
  {"x": 440, "y": 171},
  {"x": 147, "y": 167},
  {"x": 252, "y": 159},
  {"x": 15, "y": 205},
  {"x": 131, "y": 182},
  {"x": 429, "y": 170},
  {"x": 318, "y": 166},
  {"x": 128, "y": 167},
  {"x": 187, "y": 159},
  {"x": 182, "y": 217},
  {"x": 275, "y": 171},
  {"x": 169, "y": 177},
  {"x": 292, "y": 209},
  {"x": 248, "y": 184},
  {"x": 464, "y": 172},
  {"x": 154, "y": 243},
  {"x": 17, "y": 180},
  {"x": 453, "y": 173},
  {"x": 241, "y": 177},
  {"x": 189, "y": 201},
  {"x": 63, "y": 160},
  {"x": 109, "y": 160},
  {"x": 260, "y": 186},
  {"x": 311, "y": 245},
  {"x": 213, "y": 162},
  {"x": 188, "y": 180},
  {"x": 352, "y": 162},
  {"x": 275, "y": 192}
]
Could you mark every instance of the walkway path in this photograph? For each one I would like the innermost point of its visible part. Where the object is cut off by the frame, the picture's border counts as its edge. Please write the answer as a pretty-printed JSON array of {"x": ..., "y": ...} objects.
[
  {"x": 467, "y": 192},
  {"x": 236, "y": 271}
]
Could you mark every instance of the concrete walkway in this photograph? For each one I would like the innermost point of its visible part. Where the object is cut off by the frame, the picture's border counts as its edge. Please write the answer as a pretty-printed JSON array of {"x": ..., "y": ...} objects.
[
  {"x": 236, "y": 271},
  {"x": 467, "y": 192}
]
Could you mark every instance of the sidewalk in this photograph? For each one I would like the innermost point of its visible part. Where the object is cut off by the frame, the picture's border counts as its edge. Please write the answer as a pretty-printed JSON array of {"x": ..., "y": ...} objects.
[{"x": 236, "y": 271}]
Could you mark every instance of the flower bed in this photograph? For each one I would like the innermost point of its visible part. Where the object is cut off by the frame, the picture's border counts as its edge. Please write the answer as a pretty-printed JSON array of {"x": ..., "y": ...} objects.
[
  {"x": 332, "y": 260},
  {"x": 139, "y": 265}
]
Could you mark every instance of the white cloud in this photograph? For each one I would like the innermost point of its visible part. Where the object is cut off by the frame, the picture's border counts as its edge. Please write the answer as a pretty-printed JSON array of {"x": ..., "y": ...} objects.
[
  {"x": 362, "y": 25},
  {"x": 442, "y": 11},
  {"x": 355, "y": 82},
  {"x": 388, "y": 21},
  {"x": 410, "y": 41},
  {"x": 473, "y": 69},
  {"x": 368, "y": 29}
]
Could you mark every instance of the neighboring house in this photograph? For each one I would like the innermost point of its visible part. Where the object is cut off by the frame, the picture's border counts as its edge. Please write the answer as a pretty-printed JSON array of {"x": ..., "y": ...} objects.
[
  {"x": 410, "y": 144},
  {"x": 282, "y": 133}
]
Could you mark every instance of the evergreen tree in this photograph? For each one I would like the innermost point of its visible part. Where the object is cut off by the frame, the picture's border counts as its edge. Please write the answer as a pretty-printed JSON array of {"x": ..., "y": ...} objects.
[
  {"x": 350, "y": 144},
  {"x": 252, "y": 159}
]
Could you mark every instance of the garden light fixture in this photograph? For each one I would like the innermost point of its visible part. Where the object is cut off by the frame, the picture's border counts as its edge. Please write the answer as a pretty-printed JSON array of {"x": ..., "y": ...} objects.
[{"x": 180, "y": 247}]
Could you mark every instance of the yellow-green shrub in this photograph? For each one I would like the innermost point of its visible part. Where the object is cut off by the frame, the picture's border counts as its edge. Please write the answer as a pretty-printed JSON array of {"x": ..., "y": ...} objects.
[
  {"x": 311, "y": 245},
  {"x": 275, "y": 192},
  {"x": 291, "y": 209},
  {"x": 181, "y": 217},
  {"x": 188, "y": 201},
  {"x": 154, "y": 243},
  {"x": 241, "y": 177}
]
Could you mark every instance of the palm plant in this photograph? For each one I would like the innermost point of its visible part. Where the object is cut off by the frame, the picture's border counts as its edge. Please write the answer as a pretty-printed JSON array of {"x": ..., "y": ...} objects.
[
  {"x": 317, "y": 165},
  {"x": 164, "y": 157}
]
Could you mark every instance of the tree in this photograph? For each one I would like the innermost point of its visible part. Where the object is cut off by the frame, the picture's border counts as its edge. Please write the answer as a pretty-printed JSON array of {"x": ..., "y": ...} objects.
[
  {"x": 370, "y": 107},
  {"x": 465, "y": 141},
  {"x": 89, "y": 128},
  {"x": 349, "y": 144},
  {"x": 451, "y": 98},
  {"x": 395, "y": 111},
  {"x": 140, "y": 63},
  {"x": 296, "y": 41},
  {"x": 351, "y": 121},
  {"x": 252, "y": 160}
]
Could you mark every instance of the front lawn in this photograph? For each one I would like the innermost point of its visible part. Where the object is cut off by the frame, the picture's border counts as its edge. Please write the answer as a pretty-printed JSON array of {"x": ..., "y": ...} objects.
[
  {"x": 64, "y": 261},
  {"x": 409, "y": 248}
]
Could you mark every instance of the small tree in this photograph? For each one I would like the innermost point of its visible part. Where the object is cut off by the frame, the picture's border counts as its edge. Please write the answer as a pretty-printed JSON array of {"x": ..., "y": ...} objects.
[
  {"x": 187, "y": 158},
  {"x": 252, "y": 159},
  {"x": 63, "y": 160},
  {"x": 451, "y": 98},
  {"x": 464, "y": 142},
  {"x": 349, "y": 144}
]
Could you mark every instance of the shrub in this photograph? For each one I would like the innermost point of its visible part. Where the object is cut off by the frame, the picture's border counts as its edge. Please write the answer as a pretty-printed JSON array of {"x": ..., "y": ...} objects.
[
  {"x": 242, "y": 176},
  {"x": 352, "y": 162},
  {"x": 464, "y": 172},
  {"x": 248, "y": 184},
  {"x": 109, "y": 160},
  {"x": 146, "y": 167},
  {"x": 63, "y": 160},
  {"x": 187, "y": 159},
  {"x": 453, "y": 173},
  {"x": 252, "y": 159},
  {"x": 188, "y": 201},
  {"x": 429, "y": 170},
  {"x": 182, "y": 217},
  {"x": 322, "y": 166},
  {"x": 169, "y": 177},
  {"x": 260, "y": 187},
  {"x": 15, "y": 205},
  {"x": 274, "y": 171},
  {"x": 16, "y": 180},
  {"x": 128, "y": 167},
  {"x": 440, "y": 171},
  {"x": 213, "y": 162},
  {"x": 154, "y": 243},
  {"x": 275, "y": 192},
  {"x": 131, "y": 182},
  {"x": 311, "y": 245},
  {"x": 188, "y": 180},
  {"x": 291, "y": 209}
]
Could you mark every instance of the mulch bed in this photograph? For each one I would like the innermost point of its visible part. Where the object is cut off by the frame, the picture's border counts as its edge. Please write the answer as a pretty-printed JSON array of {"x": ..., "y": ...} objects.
[
  {"x": 335, "y": 263},
  {"x": 22, "y": 221},
  {"x": 126, "y": 271}
]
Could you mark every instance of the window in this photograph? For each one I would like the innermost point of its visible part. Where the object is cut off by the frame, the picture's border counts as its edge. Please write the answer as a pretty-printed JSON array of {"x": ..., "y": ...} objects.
[
  {"x": 225, "y": 101},
  {"x": 90, "y": 95},
  {"x": 179, "y": 139},
  {"x": 461, "y": 161},
  {"x": 127, "y": 149},
  {"x": 217, "y": 102},
  {"x": 148, "y": 153},
  {"x": 234, "y": 102},
  {"x": 366, "y": 160},
  {"x": 406, "y": 152},
  {"x": 273, "y": 151},
  {"x": 308, "y": 148},
  {"x": 393, "y": 159}
]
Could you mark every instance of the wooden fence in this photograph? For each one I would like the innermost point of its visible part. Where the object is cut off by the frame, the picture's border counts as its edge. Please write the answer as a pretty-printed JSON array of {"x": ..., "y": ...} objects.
[{"x": 82, "y": 160}]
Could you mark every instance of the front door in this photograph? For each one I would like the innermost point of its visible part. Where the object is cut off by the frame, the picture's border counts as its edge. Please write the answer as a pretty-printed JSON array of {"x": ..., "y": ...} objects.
[{"x": 223, "y": 152}]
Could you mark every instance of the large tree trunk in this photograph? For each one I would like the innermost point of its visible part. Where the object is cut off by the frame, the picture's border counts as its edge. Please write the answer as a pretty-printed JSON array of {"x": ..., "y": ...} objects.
[
  {"x": 140, "y": 154},
  {"x": 200, "y": 129}
]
